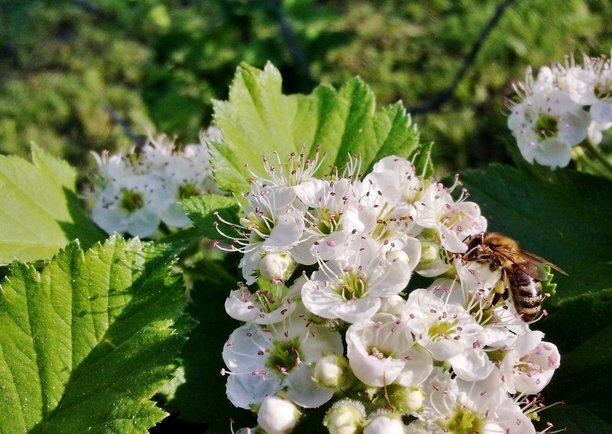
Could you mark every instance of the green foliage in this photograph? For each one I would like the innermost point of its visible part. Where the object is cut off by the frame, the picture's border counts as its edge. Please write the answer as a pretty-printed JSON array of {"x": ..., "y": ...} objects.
[
  {"x": 65, "y": 64},
  {"x": 202, "y": 397},
  {"x": 86, "y": 342},
  {"x": 40, "y": 209},
  {"x": 258, "y": 120},
  {"x": 581, "y": 328},
  {"x": 201, "y": 210},
  {"x": 563, "y": 216}
]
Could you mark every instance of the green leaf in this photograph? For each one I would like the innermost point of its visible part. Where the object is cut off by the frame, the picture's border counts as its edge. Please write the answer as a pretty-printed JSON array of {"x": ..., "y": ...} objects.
[
  {"x": 40, "y": 210},
  {"x": 86, "y": 342},
  {"x": 581, "y": 327},
  {"x": 564, "y": 217},
  {"x": 202, "y": 397},
  {"x": 201, "y": 210},
  {"x": 258, "y": 120}
]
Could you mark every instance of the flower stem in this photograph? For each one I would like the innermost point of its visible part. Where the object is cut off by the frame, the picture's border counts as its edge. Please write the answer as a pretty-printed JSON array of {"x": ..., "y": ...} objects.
[{"x": 595, "y": 153}]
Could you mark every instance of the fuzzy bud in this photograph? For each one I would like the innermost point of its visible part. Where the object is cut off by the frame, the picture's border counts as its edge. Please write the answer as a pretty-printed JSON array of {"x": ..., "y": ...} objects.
[
  {"x": 329, "y": 371},
  {"x": 276, "y": 267},
  {"x": 385, "y": 424},
  {"x": 429, "y": 253},
  {"x": 277, "y": 415},
  {"x": 345, "y": 417},
  {"x": 393, "y": 305}
]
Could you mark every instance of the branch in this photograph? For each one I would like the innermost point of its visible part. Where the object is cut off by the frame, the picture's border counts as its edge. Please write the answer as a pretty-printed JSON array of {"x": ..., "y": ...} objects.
[
  {"x": 298, "y": 56},
  {"x": 468, "y": 62},
  {"x": 125, "y": 126}
]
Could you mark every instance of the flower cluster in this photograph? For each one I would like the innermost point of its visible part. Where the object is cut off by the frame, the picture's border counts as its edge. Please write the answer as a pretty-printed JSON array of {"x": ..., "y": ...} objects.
[
  {"x": 328, "y": 320},
  {"x": 565, "y": 106},
  {"x": 134, "y": 192}
]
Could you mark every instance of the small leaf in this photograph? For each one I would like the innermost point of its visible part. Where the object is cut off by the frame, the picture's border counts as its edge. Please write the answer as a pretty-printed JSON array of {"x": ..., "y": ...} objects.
[
  {"x": 258, "y": 120},
  {"x": 40, "y": 210},
  {"x": 421, "y": 158},
  {"x": 202, "y": 212},
  {"x": 548, "y": 286},
  {"x": 86, "y": 342}
]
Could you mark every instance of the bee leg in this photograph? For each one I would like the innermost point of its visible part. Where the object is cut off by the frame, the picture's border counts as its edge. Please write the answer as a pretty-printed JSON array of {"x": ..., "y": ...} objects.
[{"x": 499, "y": 292}]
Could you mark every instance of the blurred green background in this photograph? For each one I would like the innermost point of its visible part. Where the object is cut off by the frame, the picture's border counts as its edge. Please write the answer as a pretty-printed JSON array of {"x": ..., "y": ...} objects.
[{"x": 94, "y": 74}]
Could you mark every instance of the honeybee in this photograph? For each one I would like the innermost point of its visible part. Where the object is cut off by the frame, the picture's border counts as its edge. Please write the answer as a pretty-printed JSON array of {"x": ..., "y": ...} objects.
[{"x": 521, "y": 271}]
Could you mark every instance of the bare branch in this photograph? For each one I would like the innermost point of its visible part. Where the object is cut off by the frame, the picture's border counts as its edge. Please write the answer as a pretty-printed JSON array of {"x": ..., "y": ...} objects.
[
  {"x": 296, "y": 52},
  {"x": 468, "y": 62}
]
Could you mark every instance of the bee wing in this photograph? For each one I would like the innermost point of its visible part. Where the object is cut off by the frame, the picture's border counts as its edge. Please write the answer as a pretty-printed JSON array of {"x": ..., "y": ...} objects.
[
  {"x": 541, "y": 261},
  {"x": 529, "y": 263}
]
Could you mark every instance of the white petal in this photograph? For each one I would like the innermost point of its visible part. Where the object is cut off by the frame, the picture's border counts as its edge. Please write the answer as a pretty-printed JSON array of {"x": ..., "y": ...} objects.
[
  {"x": 142, "y": 223},
  {"x": 417, "y": 368},
  {"x": 553, "y": 153},
  {"x": 601, "y": 112},
  {"x": 357, "y": 310},
  {"x": 304, "y": 391},
  {"x": 246, "y": 389},
  {"x": 472, "y": 365}
]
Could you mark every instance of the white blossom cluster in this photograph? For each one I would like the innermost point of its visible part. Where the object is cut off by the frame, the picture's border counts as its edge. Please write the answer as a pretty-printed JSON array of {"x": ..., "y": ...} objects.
[
  {"x": 136, "y": 191},
  {"x": 562, "y": 107},
  {"x": 328, "y": 320}
]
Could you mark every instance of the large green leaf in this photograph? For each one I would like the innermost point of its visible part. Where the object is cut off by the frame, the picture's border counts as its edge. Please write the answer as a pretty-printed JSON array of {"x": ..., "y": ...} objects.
[
  {"x": 582, "y": 329},
  {"x": 259, "y": 120},
  {"x": 40, "y": 210},
  {"x": 563, "y": 216},
  {"x": 86, "y": 342}
]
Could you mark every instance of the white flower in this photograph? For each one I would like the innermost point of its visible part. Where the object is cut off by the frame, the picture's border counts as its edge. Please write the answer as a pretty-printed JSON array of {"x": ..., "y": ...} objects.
[
  {"x": 184, "y": 175},
  {"x": 269, "y": 304},
  {"x": 350, "y": 288},
  {"x": 127, "y": 204},
  {"x": 529, "y": 363},
  {"x": 455, "y": 406},
  {"x": 591, "y": 85},
  {"x": 449, "y": 332},
  {"x": 381, "y": 351},
  {"x": 277, "y": 415},
  {"x": 448, "y": 220},
  {"x": 547, "y": 123},
  {"x": 263, "y": 361},
  {"x": 386, "y": 195},
  {"x": 384, "y": 424},
  {"x": 327, "y": 202},
  {"x": 271, "y": 224}
]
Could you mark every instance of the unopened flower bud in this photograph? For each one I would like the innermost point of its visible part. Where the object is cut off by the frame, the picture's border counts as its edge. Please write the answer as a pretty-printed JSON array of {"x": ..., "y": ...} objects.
[
  {"x": 398, "y": 255},
  {"x": 329, "y": 371},
  {"x": 385, "y": 424},
  {"x": 345, "y": 417},
  {"x": 276, "y": 267},
  {"x": 277, "y": 415},
  {"x": 429, "y": 252},
  {"x": 406, "y": 399},
  {"x": 393, "y": 305}
]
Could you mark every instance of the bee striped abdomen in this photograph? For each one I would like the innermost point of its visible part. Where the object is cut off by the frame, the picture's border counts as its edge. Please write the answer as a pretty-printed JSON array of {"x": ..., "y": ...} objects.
[{"x": 526, "y": 293}]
